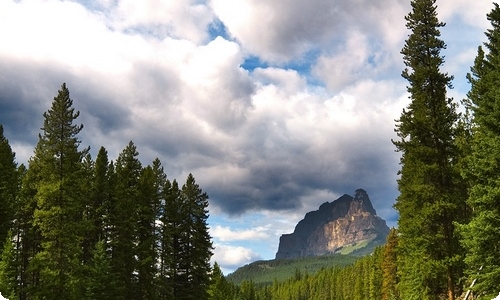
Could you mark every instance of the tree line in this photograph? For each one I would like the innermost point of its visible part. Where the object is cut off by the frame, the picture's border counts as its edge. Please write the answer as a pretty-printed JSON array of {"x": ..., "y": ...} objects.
[
  {"x": 72, "y": 227},
  {"x": 371, "y": 277}
]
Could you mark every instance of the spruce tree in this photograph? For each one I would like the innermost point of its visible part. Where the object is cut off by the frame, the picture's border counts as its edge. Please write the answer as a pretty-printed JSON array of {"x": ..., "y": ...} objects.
[
  {"x": 124, "y": 239},
  {"x": 481, "y": 234},
  {"x": 389, "y": 267},
  {"x": 431, "y": 192},
  {"x": 220, "y": 288},
  {"x": 195, "y": 247},
  {"x": 57, "y": 163},
  {"x": 9, "y": 286},
  {"x": 100, "y": 283},
  {"x": 8, "y": 186},
  {"x": 27, "y": 234},
  {"x": 151, "y": 183},
  {"x": 170, "y": 234}
]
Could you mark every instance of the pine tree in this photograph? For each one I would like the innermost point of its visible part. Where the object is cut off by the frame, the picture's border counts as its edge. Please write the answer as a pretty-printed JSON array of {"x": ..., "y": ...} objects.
[
  {"x": 9, "y": 286},
  {"x": 389, "y": 267},
  {"x": 151, "y": 184},
  {"x": 220, "y": 288},
  {"x": 124, "y": 240},
  {"x": 431, "y": 192},
  {"x": 27, "y": 234},
  {"x": 8, "y": 186},
  {"x": 170, "y": 234},
  {"x": 195, "y": 244},
  {"x": 101, "y": 283},
  {"x": 481, "y": 234},
  {"x": 58, "y": 164}
]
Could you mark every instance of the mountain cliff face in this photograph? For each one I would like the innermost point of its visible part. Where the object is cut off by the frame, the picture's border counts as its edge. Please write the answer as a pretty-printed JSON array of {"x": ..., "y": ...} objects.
[{"x": 343, "y": 222}]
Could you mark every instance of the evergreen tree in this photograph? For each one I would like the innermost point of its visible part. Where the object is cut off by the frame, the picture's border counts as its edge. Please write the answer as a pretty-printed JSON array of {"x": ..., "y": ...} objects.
[
  {"x": 58, "y": 164},
  {"x": 123, "y": 241},
  {"x": 195, "y": 244},
  {"x": 389, "y": 267},
  {"x": 431, "y": 192},
  {"x": 8, "y": 186},
  {"x": 8, "y": 269},
  {"x": 101, "y": 283},
  {"x": 170, "y": 234},
  {"x": 376, "y": 275},
  {"x": 481, "y": 234},
  {"x": 220, "y": 288},
  {"x": 27, "y": 234},
  {"x": 88, "y": 213},
  {"x": 101, "y": 194},
  {"x": 151, "y": 184}
]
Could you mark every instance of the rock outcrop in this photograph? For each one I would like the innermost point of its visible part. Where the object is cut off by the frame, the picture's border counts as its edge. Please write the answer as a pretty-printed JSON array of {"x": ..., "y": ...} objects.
[{"x": 344, "y": 222}]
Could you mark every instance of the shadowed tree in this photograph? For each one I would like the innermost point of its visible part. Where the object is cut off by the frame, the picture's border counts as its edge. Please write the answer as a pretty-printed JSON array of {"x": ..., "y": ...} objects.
[
  {"x": 124, "y": 221},
  {"x": 8, "y": 186}
]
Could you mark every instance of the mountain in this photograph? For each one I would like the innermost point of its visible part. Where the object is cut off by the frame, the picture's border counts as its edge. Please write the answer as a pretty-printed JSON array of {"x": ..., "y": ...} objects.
[{"x": 341, "y": 226}]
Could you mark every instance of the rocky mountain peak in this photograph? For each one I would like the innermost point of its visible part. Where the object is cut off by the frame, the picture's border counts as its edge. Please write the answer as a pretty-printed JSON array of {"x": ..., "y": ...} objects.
[{"x": 335, "y": 225}]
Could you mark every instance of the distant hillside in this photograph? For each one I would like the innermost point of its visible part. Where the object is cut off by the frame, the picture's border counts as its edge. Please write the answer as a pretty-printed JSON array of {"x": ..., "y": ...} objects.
[{"x": 266, "y": 271}]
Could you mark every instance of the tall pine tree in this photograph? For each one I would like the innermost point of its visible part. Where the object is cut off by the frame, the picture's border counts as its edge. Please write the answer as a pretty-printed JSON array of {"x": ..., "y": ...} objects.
[
  {"x": 431, "y": 194},
  {"x": 8, "y": 186},
  {"x": 195, "y": 245},
  {"x": 58, "y": 164},
  {"x": 124, "y": 239},
  {"x": 482, "y": 233},
  {"x": 151, "y": 184}
]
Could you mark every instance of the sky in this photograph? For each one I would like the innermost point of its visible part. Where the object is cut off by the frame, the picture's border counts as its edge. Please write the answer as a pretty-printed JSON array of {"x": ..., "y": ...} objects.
[{"x": 275, "y": 106}]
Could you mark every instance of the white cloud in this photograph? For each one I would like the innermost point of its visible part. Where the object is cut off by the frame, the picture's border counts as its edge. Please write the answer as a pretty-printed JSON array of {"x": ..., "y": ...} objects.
[
  {"x": 226, "y": 234},
  {"x": 473, "y": 13},
  {"x": 232, "y": 257},
  {"x": 182, "y": 19}
]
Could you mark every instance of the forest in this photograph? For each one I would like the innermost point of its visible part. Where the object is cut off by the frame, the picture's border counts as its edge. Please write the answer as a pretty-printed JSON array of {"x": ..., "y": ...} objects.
[{"x": 75, "y": 227}]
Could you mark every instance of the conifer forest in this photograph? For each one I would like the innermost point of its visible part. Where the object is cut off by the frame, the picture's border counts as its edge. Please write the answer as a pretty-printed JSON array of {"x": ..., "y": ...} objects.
[{"x": 77, "y": 227}]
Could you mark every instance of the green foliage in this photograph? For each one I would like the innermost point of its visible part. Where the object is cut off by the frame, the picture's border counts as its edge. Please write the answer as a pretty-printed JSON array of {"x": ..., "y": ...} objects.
[
  {"x": 100, "y": 283},
  {"x": 86, "y": 229},
  {"x": 220, "y": 288},
  {"x": 8, "y": 269},
  {"x": 389, "y": 267},
  {"x": 8, "y": 186},
  {"x": 482, "y": 233},
  {"x": 58, "y": 215},
  {"x": 432, "y": 193},
  {"x": 266, "y": 272}
]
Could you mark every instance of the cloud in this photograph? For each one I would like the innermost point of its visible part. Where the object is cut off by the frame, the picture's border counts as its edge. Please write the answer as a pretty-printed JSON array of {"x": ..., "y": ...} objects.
[
  {"x": 226, "y": 234},
  {"x": 280, "y": 31},
  {"x": 232, "y": 257},
  {"x": 184, "y": 19}
]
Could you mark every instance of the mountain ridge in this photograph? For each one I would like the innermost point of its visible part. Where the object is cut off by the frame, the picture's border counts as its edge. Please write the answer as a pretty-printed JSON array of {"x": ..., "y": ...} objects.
[{"x": 344, "y": 222}]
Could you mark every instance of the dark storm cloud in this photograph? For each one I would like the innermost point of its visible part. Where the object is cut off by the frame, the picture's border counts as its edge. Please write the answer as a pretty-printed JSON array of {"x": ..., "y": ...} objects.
[
  {"x": 282, "y": 176},
  {"x": 26, "y": 91}
]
